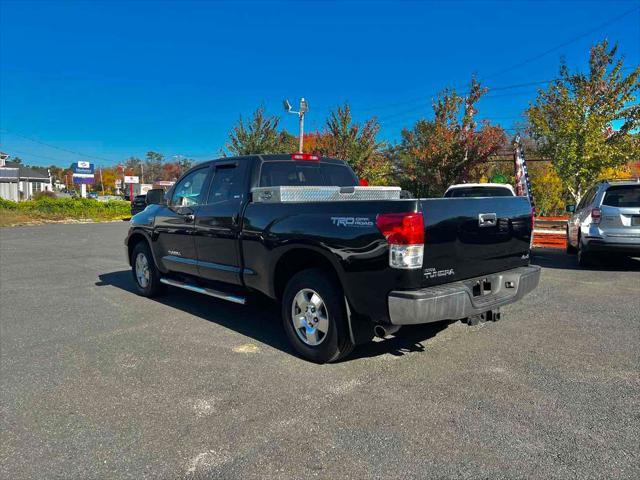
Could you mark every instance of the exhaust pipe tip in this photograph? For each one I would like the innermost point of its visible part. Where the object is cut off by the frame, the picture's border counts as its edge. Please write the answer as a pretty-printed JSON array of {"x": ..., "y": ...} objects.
[{"x": 383, "y": 331}]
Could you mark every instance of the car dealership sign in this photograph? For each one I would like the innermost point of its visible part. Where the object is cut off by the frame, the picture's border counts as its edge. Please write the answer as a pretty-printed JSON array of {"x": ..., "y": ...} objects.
[{"x": 83, "y": 172}]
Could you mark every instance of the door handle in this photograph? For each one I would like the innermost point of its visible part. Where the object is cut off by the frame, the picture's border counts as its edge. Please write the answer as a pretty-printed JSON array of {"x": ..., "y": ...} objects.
[
  {"x": 189, "y": 218},
  {"x": 487, "y": 219}
]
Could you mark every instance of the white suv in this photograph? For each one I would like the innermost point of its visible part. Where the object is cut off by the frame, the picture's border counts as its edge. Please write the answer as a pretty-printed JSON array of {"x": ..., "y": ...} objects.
[{"x": 607, "y": 219}]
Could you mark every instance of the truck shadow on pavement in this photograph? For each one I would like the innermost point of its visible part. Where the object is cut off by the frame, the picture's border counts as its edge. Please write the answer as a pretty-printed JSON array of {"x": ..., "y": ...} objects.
[
  {"x": 260, "y": 319},
  {"x": 557, "y": 258}
]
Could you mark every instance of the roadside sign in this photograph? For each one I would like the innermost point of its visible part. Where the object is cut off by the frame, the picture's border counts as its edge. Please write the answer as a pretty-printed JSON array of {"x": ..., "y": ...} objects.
[
  {"x": 144, "y": 188},
  {"x": 498, "y": 178},
  {"x": 83, "y": 178},
  {"x": 83, "y": 172},
  {"x": 164, "y": 183},
  {"x": 131, "y": 179},
  {"x": 83, "y": 167}
]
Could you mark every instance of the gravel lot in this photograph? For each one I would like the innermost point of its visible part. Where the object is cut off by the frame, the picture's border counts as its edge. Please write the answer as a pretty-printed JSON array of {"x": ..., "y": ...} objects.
[{"x": 97, "y": 382}]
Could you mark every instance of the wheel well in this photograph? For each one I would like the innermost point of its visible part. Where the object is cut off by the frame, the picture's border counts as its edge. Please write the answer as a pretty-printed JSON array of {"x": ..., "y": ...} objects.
[
  {"x": 134, "y": 240},
  {"x": 295, "y": 261}
]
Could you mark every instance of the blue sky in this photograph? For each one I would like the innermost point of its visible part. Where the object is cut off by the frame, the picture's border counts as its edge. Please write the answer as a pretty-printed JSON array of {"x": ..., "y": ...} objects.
[{"x": 114, "y": 79}]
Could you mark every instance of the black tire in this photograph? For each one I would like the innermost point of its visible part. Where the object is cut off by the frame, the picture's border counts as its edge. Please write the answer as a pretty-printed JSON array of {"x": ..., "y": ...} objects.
[
  {"x": 336, "y": 343},
  {"x": 571, "y": 250},
  {"x": 585, "y": 259},
  {"x": 153, "y": 286}
]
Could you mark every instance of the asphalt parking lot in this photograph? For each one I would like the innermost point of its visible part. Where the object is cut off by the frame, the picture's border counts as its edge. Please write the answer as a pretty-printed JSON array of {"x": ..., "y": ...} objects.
[{"x": 98, "y": 382}]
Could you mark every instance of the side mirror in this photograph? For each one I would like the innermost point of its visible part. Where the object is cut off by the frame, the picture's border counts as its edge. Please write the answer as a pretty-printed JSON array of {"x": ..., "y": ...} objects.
[
  {"x": 155, "y": 196},
  {"x": 571, "y": 208}
]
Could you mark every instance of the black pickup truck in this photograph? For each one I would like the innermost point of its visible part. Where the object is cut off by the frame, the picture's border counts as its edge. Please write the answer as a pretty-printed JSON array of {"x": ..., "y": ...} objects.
[{"x": 346, "y": 262}]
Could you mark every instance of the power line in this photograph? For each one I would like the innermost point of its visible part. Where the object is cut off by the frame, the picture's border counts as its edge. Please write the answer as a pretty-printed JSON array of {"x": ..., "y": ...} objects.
[
  {"x": 563, "y": 44},
  {"x": 408, "y": 112},
  {"x": 513, "y": 67},
  {"x": 22, "y": 152},
  {"x": 56, "y": 147}
]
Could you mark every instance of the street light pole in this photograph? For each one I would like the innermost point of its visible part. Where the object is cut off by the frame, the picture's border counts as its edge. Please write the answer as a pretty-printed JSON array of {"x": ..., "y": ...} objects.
[
  {"x": 304, "y": 107},
  {"x": 300, "y": 148}
]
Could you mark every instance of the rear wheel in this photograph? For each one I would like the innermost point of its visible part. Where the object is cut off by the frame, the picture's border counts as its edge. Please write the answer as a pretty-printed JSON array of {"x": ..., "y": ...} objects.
[
  {"x": 571, "y": 250},
  {"x": 585, "y": 259},
  {"x": 145, "y": 272},
  {"x": 314, "y": 317}
]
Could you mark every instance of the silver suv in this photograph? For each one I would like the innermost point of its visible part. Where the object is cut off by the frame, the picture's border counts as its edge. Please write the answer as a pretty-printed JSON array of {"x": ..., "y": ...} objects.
[{"x": 607, "y": 219}]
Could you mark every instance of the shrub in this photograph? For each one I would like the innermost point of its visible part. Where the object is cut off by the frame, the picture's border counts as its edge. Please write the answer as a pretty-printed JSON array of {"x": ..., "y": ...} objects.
[
  {"x": 45, "y": 193},
  {"x": 46, "y": 207},
  {"x": 8, "y": 204}
]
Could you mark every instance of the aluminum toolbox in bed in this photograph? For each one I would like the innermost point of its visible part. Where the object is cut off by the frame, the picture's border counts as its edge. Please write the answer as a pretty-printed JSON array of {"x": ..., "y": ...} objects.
[{"x": 296, "y": 194}]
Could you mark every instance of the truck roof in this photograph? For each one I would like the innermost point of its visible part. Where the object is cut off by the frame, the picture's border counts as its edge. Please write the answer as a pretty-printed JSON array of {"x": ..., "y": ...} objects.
[
  {"x": 621, "y": 181},
  {"x": 277, "y": 157}
]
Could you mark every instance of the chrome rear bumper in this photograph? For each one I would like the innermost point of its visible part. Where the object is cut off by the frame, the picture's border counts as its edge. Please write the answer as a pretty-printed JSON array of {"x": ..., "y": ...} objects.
[{"x": 461, "y": 299}]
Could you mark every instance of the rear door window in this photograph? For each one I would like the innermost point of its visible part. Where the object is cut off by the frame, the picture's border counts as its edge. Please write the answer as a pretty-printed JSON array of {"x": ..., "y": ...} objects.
[
  {"x": 227, "y": 183},
  {"x": 588, "y": 197},
  {"x": 622, "y": 196},
  {"x": 290, "y": 173}
]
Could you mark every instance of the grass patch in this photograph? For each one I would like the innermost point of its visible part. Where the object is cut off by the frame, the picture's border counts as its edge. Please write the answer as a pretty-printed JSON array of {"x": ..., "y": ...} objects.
[{"x": 46, "y": 209}]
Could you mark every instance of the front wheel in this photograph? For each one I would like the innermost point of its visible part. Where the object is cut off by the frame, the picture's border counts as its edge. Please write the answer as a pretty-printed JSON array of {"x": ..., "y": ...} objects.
[
  {"x": 145, "y": 272},
  {"x": 314, "y": 317}
]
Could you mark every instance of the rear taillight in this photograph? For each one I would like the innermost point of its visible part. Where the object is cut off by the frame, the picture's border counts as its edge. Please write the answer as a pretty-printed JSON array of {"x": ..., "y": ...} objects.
[
  {"x": 404, "y": 233},
  {"x": 305, "y": 156},
  {"x": 364, "y": 182},
  {"x": 596, "y": 215}
]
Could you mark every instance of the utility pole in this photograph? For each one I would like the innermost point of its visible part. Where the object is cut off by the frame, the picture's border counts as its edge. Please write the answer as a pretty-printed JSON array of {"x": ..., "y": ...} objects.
[
  {"x": 141, "y": 172},
  {"x": 304, "y": 108},
  {"x": 101, "y": 182}
]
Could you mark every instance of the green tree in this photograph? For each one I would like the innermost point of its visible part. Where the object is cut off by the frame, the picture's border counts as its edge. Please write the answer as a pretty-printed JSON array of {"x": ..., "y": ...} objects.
[
  {"x": 572, "y": 119},
  {"x": 153, "y": 166},
  {"x": 258, "y": 135},
  {"x": 547, "y": 189},
  {"x": 184, "y": 164},
  {"x": 132, "y": 166},
  {"x": 355, "y": 143},
  {"x": 436, "y": 153}
]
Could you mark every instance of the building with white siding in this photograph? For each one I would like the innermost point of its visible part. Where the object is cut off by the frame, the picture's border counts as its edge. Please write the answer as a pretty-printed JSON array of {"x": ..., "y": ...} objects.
[{"x": 18, "y": 182}]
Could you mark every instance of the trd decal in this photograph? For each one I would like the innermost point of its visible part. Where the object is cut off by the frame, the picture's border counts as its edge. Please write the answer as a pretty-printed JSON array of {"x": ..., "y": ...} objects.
[{"x": 352, "y": 221}]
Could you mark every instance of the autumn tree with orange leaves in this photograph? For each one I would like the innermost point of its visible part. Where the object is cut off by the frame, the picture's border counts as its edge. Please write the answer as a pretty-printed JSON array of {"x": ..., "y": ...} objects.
[
  {"x": 434, "y": 154},
  {"x": 356, "y": 143}
]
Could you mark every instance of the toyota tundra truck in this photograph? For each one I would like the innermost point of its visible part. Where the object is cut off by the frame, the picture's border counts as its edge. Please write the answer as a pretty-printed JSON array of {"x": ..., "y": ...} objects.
[{"x": 345, "y": 262}]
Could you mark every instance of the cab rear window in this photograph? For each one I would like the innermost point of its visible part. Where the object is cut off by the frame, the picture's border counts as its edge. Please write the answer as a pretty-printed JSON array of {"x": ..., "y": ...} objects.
[
  {"x": 623, "y": 196},
  {"x": 291, "y": 173}
]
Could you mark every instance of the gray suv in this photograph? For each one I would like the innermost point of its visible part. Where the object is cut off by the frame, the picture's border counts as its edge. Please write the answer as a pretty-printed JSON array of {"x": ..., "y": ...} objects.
[{"x": 607, "y": 219}]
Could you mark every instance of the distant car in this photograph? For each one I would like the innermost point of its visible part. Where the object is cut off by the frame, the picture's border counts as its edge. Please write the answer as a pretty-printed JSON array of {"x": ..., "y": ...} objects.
[
  {"x": 466, "y": 190},
  {"x": 607, "y": 219},
  {"x": 93, "y": 195},
  {"x": 139, "y": 204}
]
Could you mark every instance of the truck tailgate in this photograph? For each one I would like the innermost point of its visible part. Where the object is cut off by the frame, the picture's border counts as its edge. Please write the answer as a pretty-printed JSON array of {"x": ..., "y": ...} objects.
[{"x": 470, "y": 237}]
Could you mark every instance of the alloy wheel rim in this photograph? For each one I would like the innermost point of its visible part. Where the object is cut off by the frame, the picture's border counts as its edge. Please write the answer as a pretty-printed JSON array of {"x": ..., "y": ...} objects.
[
  {"x": 142, "y": 270},
  {"x": 310, "y": 317}
]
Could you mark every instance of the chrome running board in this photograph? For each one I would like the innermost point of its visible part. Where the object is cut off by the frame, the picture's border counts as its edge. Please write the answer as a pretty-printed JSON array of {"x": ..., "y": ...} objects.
[{"x": 206, "y": 291}]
